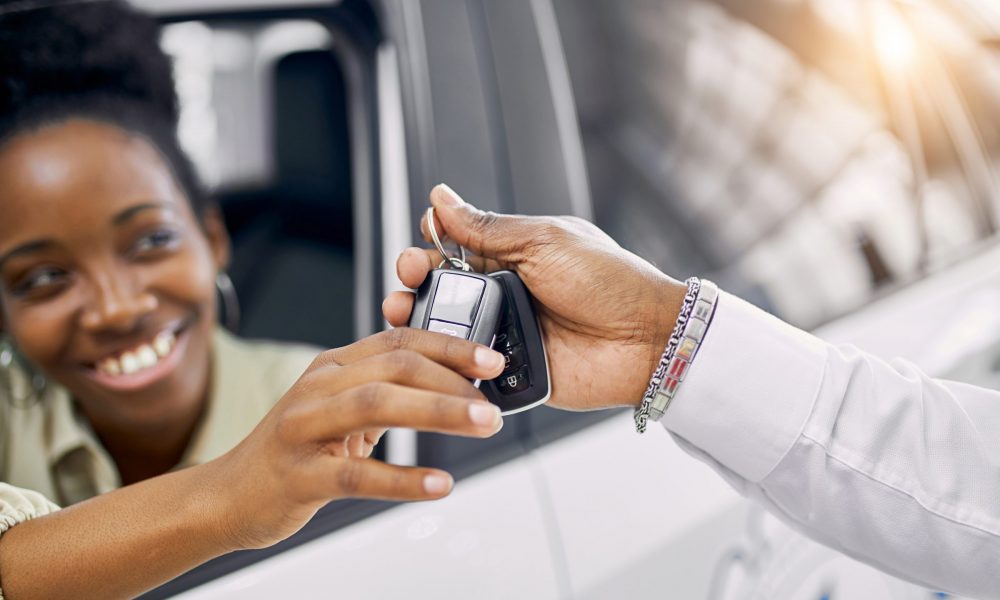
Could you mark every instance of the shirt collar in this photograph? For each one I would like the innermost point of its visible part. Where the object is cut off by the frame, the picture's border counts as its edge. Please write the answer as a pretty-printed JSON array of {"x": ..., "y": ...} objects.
[
  {"x": 227, "y": 419},
  {"x": 67, "y": 430}
]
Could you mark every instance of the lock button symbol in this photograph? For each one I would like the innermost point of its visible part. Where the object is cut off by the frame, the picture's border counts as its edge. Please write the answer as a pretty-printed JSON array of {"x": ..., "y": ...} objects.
[{"x": 512, "y": 383}]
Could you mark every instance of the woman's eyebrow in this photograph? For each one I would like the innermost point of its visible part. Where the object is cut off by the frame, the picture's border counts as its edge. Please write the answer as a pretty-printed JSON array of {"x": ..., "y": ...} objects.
[
  {"x": 131, "y": 211},
  {"x": 27, "y": 248}
]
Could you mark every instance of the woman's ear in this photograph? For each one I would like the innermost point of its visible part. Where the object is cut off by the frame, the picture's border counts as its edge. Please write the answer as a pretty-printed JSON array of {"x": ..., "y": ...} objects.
[{"x": 218, "y": 237}]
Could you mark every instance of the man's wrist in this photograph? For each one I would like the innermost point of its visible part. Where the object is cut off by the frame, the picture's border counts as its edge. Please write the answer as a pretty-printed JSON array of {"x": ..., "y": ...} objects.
[{"x": 669, "y": 294}]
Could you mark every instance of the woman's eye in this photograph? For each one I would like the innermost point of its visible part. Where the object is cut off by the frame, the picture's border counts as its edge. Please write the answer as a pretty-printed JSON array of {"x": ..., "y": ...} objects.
[
  {"x": 39, "y": 281},
  {"x": 156, "y": 240}
]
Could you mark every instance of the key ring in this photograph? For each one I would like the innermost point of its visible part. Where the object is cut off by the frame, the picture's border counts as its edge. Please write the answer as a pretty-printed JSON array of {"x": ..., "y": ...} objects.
[{"x": 456, "y": 263}]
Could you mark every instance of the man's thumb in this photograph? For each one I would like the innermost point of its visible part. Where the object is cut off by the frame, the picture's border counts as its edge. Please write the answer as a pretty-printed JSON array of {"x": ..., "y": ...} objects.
[{"x": 487, "y": 234}]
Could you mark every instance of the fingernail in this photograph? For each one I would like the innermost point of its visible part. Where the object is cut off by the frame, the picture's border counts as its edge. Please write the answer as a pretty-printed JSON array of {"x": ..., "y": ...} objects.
[
  {"x": 488, "y": 359},
  {"x": 483, "y": 413},
  {"x": 448, "y": 197},
  {"x": 437, "y": 484}
]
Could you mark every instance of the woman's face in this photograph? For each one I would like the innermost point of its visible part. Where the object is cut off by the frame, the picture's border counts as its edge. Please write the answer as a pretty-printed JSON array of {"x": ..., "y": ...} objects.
[{"x": 106, "y": 276}]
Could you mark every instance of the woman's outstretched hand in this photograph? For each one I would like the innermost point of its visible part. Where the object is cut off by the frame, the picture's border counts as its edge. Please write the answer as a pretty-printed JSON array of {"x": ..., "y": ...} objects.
[
  {"x": 313, "y": 446},
  {"x": 605, "y": 313}
]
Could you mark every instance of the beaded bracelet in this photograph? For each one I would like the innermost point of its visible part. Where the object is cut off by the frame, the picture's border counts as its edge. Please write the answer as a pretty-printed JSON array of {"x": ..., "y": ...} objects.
[{"x": 693, "y": 320}]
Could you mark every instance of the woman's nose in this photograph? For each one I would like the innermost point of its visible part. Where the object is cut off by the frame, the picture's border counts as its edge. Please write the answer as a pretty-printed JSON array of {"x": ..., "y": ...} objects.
[{"x": 118, "y": 303}]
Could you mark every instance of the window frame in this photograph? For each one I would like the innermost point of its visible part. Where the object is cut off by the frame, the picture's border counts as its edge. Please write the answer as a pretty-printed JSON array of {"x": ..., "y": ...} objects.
[{"x": 355, "y": 36}]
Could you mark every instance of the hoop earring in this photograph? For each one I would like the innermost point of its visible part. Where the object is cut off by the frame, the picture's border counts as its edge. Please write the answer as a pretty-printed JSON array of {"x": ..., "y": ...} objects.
[
  {"x": 36, "y": 381},
  {"x": 230, "y": 304}
]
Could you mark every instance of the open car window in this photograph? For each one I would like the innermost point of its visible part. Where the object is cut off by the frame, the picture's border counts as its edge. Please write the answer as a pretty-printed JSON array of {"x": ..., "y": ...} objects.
[{"x": 276, "y": 115}]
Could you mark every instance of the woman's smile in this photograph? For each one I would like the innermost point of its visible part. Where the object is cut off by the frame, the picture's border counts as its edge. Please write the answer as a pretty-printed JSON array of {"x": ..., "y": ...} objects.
[{"x": 142, "y": 364}]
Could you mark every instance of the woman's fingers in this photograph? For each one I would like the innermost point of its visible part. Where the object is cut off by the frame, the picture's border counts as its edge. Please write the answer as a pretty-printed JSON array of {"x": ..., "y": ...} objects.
[
  {"x": 369, "y": 478},
  {"x": 405, "y": 367},
  {"x": 361, "y": 445},
  {"x": 382, "y": 405},
  {"x": 406, "y": 346},
  {"x": 356, "y": 446}
]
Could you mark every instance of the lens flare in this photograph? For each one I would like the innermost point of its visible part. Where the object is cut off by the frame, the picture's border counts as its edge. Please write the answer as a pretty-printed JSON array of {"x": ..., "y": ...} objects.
[{"x": 895, "y": 42}]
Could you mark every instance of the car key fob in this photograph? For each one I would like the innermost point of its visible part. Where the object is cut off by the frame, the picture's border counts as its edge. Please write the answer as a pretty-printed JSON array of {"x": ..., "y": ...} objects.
[
  {"x": 459, "y": 303},
  {"x": 524, "y": 382},
  {"x": 493, "y": 310}
]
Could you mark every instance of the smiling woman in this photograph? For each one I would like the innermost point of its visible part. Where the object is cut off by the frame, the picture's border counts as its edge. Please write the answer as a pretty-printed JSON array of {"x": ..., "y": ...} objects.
[
  {"x": 113, "y": 297},
  {"x": 113, "y": 370}
]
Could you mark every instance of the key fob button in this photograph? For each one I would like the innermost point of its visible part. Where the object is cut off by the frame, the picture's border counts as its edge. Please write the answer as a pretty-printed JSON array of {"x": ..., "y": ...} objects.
[
  {"x": 508, "y": 339},
  {"x": 514, "y": 382},
  {"x": 448, "y": 329},
  {"x": 514, "y": 358},
  {"x": 457, "y": 298}
]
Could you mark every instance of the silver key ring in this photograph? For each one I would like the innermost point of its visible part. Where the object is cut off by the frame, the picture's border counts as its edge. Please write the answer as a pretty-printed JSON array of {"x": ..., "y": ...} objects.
[{"x": 457, "y": 263}]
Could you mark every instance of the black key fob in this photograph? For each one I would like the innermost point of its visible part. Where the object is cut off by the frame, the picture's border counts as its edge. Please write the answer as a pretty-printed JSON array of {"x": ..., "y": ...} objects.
[
  {"x": 524, "y": 382},
  {"x": 494, "y": 310},
  {"x": 459, "y": 303}
]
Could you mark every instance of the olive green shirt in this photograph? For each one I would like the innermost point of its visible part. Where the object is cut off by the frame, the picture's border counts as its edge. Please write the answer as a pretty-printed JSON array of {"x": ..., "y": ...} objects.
[{"x": 50, "y": 457}]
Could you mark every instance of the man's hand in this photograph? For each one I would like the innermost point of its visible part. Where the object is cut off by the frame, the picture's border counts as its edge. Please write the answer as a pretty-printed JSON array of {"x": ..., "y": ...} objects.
[{"x": 605, "y": 313}]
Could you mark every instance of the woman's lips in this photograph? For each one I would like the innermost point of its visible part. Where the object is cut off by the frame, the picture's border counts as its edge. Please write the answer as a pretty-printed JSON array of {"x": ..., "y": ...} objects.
[{"x": 142, "y": 365}]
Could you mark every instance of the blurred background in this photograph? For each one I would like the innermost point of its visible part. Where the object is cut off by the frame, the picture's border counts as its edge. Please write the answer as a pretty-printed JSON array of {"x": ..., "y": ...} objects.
[
  {"x": 809, "y": 152},
  {"x": 833, "y": 161}
]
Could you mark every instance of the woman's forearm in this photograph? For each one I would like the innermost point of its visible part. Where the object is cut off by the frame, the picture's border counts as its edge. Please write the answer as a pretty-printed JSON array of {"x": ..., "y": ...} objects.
[
  {"x": 118, "y": 544},
  {"x": 298, "y": 458}
]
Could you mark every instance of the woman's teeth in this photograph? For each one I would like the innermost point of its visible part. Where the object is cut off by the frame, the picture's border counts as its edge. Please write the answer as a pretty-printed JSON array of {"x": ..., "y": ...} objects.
[{"x": 140, "y": 357}]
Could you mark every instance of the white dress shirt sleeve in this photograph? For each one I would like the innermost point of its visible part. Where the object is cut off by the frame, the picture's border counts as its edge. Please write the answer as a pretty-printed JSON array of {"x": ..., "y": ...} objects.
[{"x": 874, "y": 459}]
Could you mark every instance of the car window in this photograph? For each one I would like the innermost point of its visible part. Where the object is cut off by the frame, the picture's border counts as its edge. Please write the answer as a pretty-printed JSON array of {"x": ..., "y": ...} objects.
[
  {"x": 275, "y": 105},
  {"x": 808, "y": 155},
  {"x": 264, "y": 118}
]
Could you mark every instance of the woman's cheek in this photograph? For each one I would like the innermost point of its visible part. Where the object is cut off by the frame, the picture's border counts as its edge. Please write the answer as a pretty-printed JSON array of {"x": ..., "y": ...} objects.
[
  {"x": 189, "y": 284},
  {"x": 42, "y": 332}
]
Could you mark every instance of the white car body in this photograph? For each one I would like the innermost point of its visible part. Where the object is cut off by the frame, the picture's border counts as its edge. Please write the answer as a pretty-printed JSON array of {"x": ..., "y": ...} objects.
[{"x": 605, "y": 513}]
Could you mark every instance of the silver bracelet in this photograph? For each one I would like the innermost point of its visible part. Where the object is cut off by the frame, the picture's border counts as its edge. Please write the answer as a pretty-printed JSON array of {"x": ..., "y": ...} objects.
[
  {"x": 692, "y": 322},
  {"x": 642, "y": 412}
]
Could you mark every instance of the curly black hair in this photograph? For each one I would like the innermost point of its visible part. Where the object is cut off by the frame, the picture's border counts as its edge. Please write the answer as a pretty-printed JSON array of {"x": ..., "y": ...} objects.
[{"x": 96, "y": 59}]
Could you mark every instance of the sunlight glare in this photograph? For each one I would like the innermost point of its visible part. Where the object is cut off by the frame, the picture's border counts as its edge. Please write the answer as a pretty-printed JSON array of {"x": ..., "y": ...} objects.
[{"x": 894, "y": 41}]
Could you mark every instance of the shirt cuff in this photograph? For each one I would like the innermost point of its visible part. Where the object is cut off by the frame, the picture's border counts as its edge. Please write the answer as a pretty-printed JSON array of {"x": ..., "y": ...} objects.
[
  {"x": 17, "y": 505},
  {"x": 748, "y": 393}
]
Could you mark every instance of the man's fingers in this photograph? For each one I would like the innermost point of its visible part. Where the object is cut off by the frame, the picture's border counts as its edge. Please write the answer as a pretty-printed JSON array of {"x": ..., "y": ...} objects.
[
  {"x": 396, "y": 308},
  {"x": 468, "y": 358},
  {"x": 414, "y": 264},
  {"x": 384, "y": 405},
  {"x": 368, "y": 478},
  {"x": 438, "y": 227}
]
